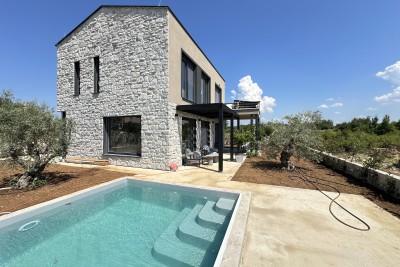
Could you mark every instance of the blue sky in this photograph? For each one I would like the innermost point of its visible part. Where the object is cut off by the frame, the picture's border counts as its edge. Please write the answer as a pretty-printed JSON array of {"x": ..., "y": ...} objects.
[{"x": 340, "y": 57}]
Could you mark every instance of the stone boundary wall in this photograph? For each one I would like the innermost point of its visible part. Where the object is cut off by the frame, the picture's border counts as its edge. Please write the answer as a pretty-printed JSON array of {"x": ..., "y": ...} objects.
[{"x": 386, "y": 182}]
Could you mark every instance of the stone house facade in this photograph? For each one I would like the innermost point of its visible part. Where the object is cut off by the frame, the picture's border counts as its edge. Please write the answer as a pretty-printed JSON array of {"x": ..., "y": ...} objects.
[{"x": 121, "y": 74}]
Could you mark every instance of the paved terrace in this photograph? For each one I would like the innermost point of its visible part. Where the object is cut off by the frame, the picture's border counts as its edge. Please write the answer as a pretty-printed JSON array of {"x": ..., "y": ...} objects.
[{"x": 293, "y": 227}]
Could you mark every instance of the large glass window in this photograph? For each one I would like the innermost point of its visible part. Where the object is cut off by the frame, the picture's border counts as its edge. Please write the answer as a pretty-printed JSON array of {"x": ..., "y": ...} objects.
[
  {"x": 188, "y": 79},
  {"x": 204, "y": 89},
  {"x": 218, "y": 97},
  {"x": 188, "y": 134},
  {"x": 123, "y": 135}
]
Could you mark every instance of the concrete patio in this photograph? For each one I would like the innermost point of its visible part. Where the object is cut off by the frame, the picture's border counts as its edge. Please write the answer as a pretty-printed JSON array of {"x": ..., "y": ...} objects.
[{"x": 293, "y": 227}]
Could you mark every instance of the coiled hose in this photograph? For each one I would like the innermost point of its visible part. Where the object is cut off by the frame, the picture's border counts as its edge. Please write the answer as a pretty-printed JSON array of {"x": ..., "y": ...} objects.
[{"x": 305, "y": 179}]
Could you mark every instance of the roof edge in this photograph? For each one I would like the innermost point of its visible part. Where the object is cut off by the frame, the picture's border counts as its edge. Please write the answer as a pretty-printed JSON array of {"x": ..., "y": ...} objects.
[
  {"x": 100, "y": 7},
  {"x": 161, "y": 7}
]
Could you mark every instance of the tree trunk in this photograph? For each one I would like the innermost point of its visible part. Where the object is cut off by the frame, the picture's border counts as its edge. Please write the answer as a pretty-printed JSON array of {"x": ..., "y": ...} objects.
[
  {"x": 286, "y": 154},
  {"x": 27, "y": 179}
]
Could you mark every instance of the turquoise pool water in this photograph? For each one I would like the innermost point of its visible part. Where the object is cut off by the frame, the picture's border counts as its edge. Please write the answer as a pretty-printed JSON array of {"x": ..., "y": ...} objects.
[{"x": 123, "y": 226}]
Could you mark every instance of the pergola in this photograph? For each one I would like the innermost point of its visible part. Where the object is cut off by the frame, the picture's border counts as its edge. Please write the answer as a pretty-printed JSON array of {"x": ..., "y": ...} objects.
[{"x": 215, "y": 111}]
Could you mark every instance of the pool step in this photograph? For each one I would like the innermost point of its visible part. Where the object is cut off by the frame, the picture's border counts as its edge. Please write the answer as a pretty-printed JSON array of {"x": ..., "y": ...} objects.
[
  {"x": 192, "y": 233},
  {"x": 191, "y": 240},
  {"x": 169, "y": 250},
  {"x": 209, "y": 218},
  {"x": 224, "y": 206}
]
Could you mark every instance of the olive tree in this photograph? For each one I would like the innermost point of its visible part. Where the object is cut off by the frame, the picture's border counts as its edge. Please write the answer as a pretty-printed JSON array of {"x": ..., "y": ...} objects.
[
  {"x": 30, "y": 136},
  {"x": 297, "y": 136}
]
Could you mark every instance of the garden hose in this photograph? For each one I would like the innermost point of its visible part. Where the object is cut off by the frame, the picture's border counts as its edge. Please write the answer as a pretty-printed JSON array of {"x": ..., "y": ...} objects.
[{"x": 305, "y": 179}]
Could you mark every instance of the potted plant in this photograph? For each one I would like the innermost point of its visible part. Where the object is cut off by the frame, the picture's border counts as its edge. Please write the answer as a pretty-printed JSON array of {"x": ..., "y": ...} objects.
[{"x": 241, "y": 137}]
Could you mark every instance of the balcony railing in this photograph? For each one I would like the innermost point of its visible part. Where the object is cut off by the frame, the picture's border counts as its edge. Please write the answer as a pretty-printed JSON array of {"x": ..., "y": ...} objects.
[{"x": 240, "y": 104}]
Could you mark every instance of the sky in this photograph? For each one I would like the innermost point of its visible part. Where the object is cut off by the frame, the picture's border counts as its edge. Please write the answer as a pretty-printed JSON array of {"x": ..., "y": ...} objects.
[{"x": 339, "y": 57}]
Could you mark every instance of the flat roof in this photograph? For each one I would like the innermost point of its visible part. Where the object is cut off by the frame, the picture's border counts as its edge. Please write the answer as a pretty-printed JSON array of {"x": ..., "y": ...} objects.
[
  {"x": 210, "y": 111},
  {"x": 133, "y": 6}
]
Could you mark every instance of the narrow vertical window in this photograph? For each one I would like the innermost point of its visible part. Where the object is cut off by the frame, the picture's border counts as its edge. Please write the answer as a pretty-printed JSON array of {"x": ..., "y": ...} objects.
[
  {"x": 96, "y": 75},
  {"x": 218, "y": 98},
  {"x": 204, "y": 89},
  {"x": 63, "y": 115},
  {"x": 77, "y": 78},
  {"x": 188, "y": 79}
]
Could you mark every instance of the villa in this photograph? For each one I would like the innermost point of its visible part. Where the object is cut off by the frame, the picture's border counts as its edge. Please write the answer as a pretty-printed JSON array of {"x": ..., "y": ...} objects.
[{"x": 140, "y": 90}]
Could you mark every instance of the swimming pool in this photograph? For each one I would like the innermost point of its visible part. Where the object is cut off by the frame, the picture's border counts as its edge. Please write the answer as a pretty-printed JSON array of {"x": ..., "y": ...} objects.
[{"x": 123, "y": 223}]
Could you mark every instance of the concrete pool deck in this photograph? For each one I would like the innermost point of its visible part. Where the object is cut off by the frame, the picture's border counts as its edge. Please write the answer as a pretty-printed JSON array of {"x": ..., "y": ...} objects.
[{"x": 293, "y": 227}]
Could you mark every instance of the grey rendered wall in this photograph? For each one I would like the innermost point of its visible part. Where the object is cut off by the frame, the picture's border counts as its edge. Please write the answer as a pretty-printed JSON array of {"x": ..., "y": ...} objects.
[
  {"x": 180, "y": 41},
  {"x": 132, "y": 44}
]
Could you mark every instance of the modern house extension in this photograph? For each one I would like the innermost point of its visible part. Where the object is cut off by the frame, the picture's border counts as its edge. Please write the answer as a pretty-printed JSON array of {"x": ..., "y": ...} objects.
[{"x": 139, "y": 89}]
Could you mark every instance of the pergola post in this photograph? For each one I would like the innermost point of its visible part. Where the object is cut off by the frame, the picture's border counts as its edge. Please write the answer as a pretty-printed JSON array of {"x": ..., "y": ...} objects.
[
  {"x": 257, "y": 132},
  {"x": 231, "y": 141},
  {"x": 221, "y": 139},
  {"x": 238, "y": 127}
]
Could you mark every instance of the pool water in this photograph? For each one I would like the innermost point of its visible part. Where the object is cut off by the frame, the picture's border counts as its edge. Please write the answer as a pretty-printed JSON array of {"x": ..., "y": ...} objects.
[{"x": 128, "y": 225}]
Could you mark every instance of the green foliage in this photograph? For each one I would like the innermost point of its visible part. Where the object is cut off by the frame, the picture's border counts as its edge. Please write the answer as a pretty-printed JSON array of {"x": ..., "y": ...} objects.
[
  {"x": 324, "y": 124},
  {"x": 38, "y": 183},
  {"x": 251, "y": 153},
  {"x": 245, "y": 134},
  {"x": 375, "y": 159},
  {"x": 31, "y": 135},
  {"x": 385, "y": 126},
  {"x": 361, "y": 135},
  {"x": 300, "y": 131}
]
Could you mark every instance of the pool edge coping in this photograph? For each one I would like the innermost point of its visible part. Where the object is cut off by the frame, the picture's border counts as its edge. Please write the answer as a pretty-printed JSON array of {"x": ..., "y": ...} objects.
[{"x": 232, "y": 245}]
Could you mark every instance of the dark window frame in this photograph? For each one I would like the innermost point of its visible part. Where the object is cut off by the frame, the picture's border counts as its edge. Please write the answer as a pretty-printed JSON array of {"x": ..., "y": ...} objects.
[
  {"x": 63, "y": 115},
  {"x": 192, "y": 141},
  {"x": 96, "y": 75},
  {"x": 107, "y": 137},
  {"x": 198, "y": 75},
  {"x": 205, "y": 98},
  {"x": 218, "y": 89},
  {"x": 186, "y": 63},
  {"x": 77, "y": 78}
]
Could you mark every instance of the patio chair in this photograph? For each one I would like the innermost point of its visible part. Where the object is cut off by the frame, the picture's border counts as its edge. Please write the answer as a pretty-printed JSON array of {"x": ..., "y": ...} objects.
[
  {"x": 193, "y": 156},
  {"x": 206, "y": 150}
]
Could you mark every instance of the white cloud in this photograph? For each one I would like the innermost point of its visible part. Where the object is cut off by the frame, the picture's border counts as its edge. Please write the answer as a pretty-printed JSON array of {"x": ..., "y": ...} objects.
[
  {"x": 394, "y": 96},
  {"x": 371, "y": 109},
  {"x": 250, "y": 91},
  {"x": 337, "y": 112},
  {"x": 334, "y": 105},
  {"x": 391, "y": 74},
  {"x": 330, "y": 99}
]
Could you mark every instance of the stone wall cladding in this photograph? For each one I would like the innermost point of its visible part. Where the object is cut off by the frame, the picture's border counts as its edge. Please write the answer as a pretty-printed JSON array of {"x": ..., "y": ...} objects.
[
  {"x": 388, "y": 183},
  {"x": 132, "y": 44}
]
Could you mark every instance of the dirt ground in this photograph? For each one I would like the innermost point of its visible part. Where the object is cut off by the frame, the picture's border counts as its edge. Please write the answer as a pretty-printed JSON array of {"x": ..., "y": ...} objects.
[
  {"x": 66, "y": 179},
  {"x": 62, "y": 179},
  {"x": 262, "y": 171}
]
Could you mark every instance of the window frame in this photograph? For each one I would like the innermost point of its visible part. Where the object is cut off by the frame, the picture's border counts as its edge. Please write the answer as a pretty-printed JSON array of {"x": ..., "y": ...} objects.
[
  {"x": 107, "y": 137},
  {"x": 96, "y": 75},
  {"x": 77, "y": 78},
  {"x": 192, "y": 123},
  {"x": 218, "y": 89},
  {"x": 205, "y": 96},
  {"x": 186, "y": 63}
]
